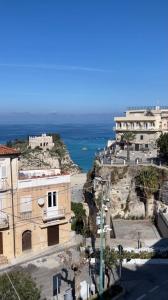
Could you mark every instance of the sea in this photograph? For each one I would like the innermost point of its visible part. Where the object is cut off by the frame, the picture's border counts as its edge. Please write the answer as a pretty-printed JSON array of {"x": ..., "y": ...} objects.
[{"x": 82, "y": 140}]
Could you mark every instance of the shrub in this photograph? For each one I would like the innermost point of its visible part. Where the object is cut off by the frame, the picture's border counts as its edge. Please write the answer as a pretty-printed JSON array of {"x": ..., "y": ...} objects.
[{"x": 24, "y": 285}]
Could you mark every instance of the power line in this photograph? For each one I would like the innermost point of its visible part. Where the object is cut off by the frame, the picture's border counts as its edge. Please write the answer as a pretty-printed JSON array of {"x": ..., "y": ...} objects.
[{"x": 13, "y": 285}]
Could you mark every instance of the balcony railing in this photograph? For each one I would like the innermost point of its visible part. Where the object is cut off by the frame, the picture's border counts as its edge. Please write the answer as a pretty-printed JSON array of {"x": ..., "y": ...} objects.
[
  {"x": 53, "y": 214},
  {"x": 4, "y": 220},
  {"x": 26, "y": 215},
  {"x": 135, "y": 129}
]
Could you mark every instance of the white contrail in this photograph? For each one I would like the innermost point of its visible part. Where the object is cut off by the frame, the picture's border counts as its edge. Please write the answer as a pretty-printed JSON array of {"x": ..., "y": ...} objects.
[{"x": 55, "y": 67}]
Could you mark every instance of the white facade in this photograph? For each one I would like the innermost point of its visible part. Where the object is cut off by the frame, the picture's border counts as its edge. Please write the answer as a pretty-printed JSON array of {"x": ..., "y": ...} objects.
[
  {"x": 146, "y": 123},
  {"x": 43, "y": 181}
]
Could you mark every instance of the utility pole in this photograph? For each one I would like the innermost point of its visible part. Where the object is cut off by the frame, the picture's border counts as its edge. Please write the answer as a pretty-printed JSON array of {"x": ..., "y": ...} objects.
[
  {"x": 104, "y": 199},
  {"x": 108, "y": 215},
  {"x": 120, "y": 248},
  {"x": 104, "y": 234},
  {"x": 101, "y": 275}
]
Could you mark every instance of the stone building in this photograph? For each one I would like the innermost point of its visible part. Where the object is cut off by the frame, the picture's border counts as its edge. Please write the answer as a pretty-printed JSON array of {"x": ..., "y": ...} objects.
[
  {"x": 44, "y": 141},
  {"x": 35, "y": 208},
  {"x": 147, "y": 123}
]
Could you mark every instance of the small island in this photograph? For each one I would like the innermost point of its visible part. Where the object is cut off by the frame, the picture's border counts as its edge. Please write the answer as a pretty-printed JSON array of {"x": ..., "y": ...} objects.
[{"x": 44, "y": 152}]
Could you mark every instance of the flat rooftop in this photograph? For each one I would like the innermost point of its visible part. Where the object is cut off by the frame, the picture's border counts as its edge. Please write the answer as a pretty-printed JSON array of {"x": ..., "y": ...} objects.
[{"x": 127, "y": 232}]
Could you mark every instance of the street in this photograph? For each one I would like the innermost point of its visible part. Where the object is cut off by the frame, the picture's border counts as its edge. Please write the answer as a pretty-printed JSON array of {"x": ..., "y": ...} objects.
[{"x": 145, "y": 282}]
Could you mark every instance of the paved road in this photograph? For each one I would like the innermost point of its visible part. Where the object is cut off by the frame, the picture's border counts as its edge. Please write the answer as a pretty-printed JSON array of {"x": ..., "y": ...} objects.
[{"x": 147, "y": 282}]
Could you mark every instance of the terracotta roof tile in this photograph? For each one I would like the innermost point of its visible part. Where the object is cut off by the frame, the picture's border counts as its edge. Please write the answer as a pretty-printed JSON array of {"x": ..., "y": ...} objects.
[{"x": 7, "y": 151}]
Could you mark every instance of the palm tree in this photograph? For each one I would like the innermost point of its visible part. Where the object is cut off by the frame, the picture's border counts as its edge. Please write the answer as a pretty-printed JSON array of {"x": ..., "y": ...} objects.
[
  {"x": 148, "y": 182},
  {"x": 128, "y": 137}
]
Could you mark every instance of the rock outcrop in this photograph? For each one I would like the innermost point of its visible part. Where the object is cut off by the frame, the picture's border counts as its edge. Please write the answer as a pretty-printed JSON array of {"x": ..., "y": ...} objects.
[
  {"x": 125, "y": 198},
  {"x": 38, "y": 158}
]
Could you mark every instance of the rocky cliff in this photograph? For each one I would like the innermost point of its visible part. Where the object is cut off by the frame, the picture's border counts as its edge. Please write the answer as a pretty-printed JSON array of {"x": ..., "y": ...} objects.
[
  {"x": 38, "y": 158},
  {"x": 126, "y": 199}
]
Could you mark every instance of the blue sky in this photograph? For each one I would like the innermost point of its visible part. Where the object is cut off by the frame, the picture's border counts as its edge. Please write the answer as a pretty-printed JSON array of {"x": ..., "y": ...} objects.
[{"x": 82, "y": 56}]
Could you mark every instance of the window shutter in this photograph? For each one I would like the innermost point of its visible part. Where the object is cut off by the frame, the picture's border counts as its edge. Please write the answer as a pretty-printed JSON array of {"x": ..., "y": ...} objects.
[
  {"x": 26, "y": 204},
  {"x": 3, "y": 171}
]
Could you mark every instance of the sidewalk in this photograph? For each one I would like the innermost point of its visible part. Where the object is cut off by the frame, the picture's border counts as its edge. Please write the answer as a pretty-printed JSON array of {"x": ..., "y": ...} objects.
[{"x": 30, "y": 257}]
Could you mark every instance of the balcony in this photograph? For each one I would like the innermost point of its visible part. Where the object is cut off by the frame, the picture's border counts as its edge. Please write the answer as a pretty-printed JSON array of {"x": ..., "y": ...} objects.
[
  {"x": 4, "y": 220},
  {"x": 26, "y": 215},
  {"x": 136, "y": 129},
  {"x": 52, "y": 213}
]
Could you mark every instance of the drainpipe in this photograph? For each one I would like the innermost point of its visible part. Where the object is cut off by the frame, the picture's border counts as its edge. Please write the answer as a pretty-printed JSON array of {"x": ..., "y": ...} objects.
[{"x": 13, "y": 217}]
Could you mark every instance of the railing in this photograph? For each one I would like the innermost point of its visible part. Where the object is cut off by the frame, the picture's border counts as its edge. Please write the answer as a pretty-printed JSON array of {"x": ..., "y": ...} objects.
[
  {"x": 53, "y": 214},
  {"x": 147, "y": 107},
  {"x": 135, "y": 129},
  {"x": 26, "y": 215},
  {"x": 122, "y": 162},
  {"x": 4, "y": 220}
]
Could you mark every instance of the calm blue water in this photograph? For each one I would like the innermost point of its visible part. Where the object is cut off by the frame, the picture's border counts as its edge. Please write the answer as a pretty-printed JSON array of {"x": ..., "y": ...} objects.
[{"x": 75, "y": 136}]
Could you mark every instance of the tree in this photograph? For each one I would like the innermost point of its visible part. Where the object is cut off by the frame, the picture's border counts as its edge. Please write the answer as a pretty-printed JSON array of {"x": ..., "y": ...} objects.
[
  {"x": 110, "y": 260},
  {"x": 162, "y": 143},
  {"x": 128, "y": 137},
  {"x": 80, "y": 217},
  {"x": 148, "y": 182},
  {"x": 23, "y": 283}
]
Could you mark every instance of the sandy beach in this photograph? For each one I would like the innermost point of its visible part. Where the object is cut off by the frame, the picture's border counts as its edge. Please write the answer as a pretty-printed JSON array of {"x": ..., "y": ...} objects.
[{"x": 77, "y": 183}]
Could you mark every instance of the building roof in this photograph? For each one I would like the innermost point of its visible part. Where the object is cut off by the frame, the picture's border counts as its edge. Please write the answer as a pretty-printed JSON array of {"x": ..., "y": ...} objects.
[{"x": 4, "y": 150}]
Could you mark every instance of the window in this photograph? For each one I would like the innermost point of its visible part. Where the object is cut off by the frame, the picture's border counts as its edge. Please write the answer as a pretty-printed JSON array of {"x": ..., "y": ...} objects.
[
  {"x": 52, "y": 199},
  {"x": 141, "y": 137},
  {"x": 3, "y": 171},
  {"x": 25, "y": 204}
]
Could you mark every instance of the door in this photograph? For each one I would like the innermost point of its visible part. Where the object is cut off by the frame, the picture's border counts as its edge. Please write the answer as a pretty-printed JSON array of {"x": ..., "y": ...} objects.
[
  {"x": 52, "y": 205},
  {"x": 1, "y": 243},
  {"x": 26, "y": 240},
  {"x": 136, "y": 147},
  {"x": 53, "y": 235}
]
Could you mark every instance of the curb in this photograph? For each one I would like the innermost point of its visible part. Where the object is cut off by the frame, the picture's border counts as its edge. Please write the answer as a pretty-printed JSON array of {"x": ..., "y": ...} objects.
[{"x": 153, "y": 261}]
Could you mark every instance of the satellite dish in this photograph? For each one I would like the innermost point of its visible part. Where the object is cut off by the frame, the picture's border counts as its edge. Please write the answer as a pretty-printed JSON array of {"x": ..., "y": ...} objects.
[{"x": 40, "y": 201}]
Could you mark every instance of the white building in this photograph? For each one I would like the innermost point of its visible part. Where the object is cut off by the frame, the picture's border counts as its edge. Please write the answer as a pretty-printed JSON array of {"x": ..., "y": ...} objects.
[{"x": 147, "y": 123}]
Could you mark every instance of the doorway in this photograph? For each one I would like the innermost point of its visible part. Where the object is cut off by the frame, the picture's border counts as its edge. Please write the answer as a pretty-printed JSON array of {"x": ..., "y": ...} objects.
[
  {"x": 53, "y": 235},
  {"x": 26, "y": 240}
]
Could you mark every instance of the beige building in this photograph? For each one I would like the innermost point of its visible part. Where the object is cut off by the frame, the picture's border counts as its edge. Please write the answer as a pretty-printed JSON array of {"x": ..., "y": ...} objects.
[
  {"x": 35, "y": 208},
  {"x": 147, "y": 123},
  {"x": 44, "y": 141}
]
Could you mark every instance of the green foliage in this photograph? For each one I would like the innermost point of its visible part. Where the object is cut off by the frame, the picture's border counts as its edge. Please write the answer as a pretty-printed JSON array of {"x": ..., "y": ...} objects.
[
  {"x": 110, "y": 257},
  {"x": 24, "y": 285},
  {"x": 79, "y": 219},
  {"x": 128, "y": 137},
  {"x": 162, "y": 143},
  {"x": 20, "y": 145},
  {"x": 78, "y": 210},
  {"x": 148, "y": 181},
  {"x": 59, "y": 147}
]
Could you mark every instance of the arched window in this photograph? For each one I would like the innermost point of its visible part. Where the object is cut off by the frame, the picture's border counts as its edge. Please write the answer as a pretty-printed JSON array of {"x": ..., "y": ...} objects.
[{"x": 26, "y": 240}]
